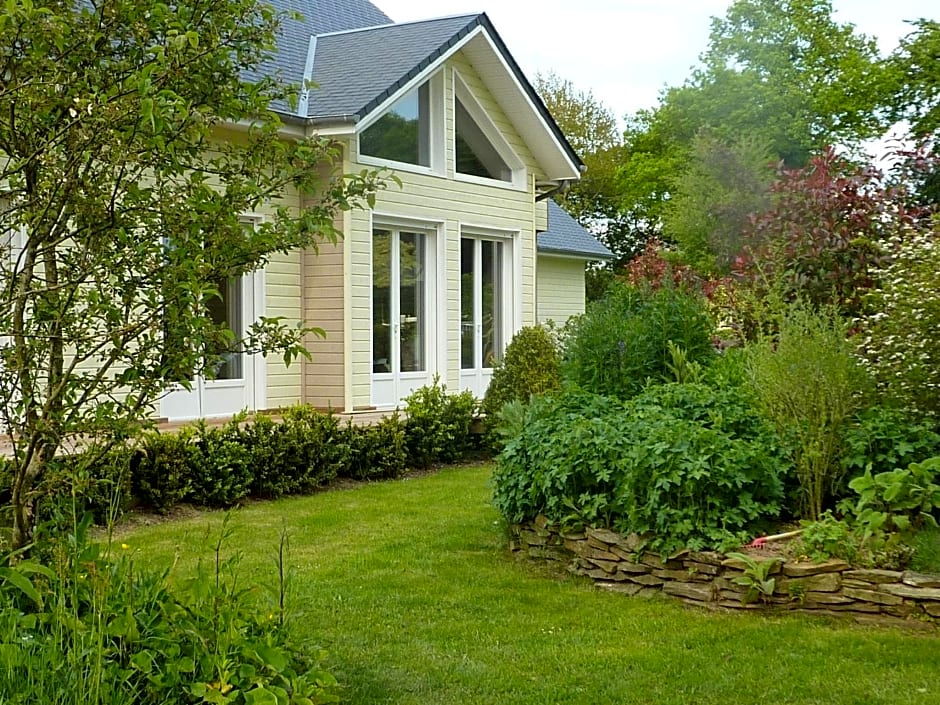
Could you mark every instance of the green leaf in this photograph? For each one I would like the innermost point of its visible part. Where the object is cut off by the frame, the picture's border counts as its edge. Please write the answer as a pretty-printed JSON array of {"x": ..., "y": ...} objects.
[
  {"x": 20, "y": 581},
  {"x": 260, "y": 696}
]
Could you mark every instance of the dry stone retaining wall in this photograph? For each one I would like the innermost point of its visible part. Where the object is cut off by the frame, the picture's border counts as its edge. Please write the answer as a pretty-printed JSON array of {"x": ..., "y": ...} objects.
[{"x": 620, "y": 564}]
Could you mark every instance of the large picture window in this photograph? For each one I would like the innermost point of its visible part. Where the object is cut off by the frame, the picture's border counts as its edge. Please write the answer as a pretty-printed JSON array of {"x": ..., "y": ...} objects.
[{"x": 403, "y": 133}]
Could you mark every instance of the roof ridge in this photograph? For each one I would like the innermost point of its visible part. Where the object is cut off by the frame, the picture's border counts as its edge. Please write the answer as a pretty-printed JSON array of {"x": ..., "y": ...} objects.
[{"x": 468, "y": 15}]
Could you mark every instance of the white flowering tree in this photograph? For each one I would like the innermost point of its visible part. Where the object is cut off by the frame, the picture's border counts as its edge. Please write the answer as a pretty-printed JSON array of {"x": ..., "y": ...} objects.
[{"x": 898, "y": 335}]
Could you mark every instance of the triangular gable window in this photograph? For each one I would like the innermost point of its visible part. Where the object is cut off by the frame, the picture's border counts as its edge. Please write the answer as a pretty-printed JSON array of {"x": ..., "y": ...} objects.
[
  {"x": 480, "y": 148},
  {"x": 403, "y": 133},
  {"x": 476, "y": 155}
]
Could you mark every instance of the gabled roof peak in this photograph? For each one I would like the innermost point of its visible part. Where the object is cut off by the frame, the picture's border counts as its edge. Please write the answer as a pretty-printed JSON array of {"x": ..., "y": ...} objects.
[{"x": 356, "y": 30}]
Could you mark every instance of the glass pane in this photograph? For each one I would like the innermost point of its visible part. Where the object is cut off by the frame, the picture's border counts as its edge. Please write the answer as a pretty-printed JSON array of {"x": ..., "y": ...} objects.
[
  {"x": 381, "y": 301},
  {"x": 226, "y": 310},
  {"x": 475, "y": 154},
  {"x": 466, "y": 304},
  {"x": 402, "y": 134},
  {"x": 411, "y": 302},
  {"x": 492, "y": 264}
]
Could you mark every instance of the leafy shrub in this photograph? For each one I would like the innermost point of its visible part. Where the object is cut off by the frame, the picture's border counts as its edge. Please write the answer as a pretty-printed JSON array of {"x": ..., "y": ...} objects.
[
  {"x": 830, "y": 537},
  {"x": 92, "y": 628},
  {"x": 691, "y": 465},
  {"x": 161, "y": 473},
  {"x": 622, "y": 341},
  {"x": 882, "y": 438},
  {"x": 818, "y": 241},
  {"x": 808, "y": 384},
  {"x": 378, "y": 451},
  {"x": 529, "y": 366},
  {"x": 306, "y": 450},
  {"x": 221, "y": 471},
  {"x": 898, "y": 330},
  {"x": 903, "y": 499},
  {"x": 96, "y": 481},
  {"x": 438, "y": 426},
  {"x": 320, "y": 446}
]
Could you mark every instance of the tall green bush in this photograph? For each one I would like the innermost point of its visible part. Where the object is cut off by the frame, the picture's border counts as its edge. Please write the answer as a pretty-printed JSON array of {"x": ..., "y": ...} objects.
[
  {"x": 690, "y": 465},
  {"x": 622, "y": 341},
  {"x": 809, "y": 385},
  {"x": 530, "y": 365},
  {"x": 438, "y": 426}
]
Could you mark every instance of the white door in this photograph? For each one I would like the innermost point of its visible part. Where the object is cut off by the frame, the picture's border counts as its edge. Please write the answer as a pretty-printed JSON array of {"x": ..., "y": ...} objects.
[
  {"x": 231, "y": 387},
  {"x": 400, "y": 313},
  {"x": 485, "y": 297}
]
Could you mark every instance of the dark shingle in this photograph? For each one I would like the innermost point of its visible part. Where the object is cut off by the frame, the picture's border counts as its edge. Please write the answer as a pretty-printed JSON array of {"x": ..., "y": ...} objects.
[
  {"x": 355, "y": 71},
  {"x": 317, "y": 17},
  {"x": 565, "y": 236}
]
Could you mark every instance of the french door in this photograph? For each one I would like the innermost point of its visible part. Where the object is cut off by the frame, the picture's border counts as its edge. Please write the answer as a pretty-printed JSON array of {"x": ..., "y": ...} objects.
[
  {"x": 400, "y": 313},
  {"x": 231, "y": 386},
  {"x": 485, "y": 294}
]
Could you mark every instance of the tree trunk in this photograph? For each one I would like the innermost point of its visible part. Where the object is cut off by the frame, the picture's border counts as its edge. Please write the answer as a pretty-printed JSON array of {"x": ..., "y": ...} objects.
[{"x": 24, "y": 480}]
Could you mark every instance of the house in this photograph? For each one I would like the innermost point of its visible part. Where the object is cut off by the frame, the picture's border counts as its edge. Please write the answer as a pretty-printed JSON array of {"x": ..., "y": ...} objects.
[{"x": 440, "y": 274}]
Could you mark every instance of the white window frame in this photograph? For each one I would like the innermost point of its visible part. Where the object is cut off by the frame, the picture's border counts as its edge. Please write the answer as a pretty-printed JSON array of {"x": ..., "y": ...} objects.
[
  {"x": 519, "y": 180},
  {"x": 477, "y": 379},
  {"x": 436, "y": 146}
]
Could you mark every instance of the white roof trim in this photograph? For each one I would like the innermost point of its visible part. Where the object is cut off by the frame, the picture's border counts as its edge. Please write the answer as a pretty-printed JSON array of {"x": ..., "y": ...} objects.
[{"x": 572, "y": 172}]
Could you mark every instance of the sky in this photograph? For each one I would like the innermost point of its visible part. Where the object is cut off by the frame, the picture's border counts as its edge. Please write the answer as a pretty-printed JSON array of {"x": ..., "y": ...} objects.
[{"x": 626, "y": 51}]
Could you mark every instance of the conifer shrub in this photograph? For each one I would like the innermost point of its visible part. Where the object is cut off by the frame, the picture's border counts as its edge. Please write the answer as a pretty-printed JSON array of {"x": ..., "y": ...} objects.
[{"x": 530, "y": 365}]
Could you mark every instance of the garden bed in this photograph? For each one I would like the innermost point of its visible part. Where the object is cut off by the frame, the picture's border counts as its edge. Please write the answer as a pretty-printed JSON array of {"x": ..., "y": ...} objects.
[{"x": 620, "y": 563}]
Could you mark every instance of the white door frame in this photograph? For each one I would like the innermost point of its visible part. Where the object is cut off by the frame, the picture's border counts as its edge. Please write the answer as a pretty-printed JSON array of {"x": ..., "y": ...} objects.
[
  {"x": 477, "y": 378},
  {"x": 388, "y": 389}
]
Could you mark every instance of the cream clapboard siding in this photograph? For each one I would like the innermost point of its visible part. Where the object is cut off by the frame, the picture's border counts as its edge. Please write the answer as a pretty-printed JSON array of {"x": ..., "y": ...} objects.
[
  {"x": 325, "y": 374},
  {"x": 541, "y": 216},
  {"x": 283, "y": 286},
  {"x": 447, "y": 204},
  {"x": 560, "y": 288}
]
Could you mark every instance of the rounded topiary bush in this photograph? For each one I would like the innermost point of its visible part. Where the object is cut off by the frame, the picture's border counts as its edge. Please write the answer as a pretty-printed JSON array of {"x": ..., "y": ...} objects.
[
  {"x": 624, "y": 340},
  {"x": 530, "y": 365},
  {"x": 687, "y": 464}
]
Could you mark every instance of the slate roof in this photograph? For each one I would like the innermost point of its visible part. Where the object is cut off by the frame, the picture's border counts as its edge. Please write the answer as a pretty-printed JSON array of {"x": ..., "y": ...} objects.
[
  {"x": 316, "y": 17},
  {"x": 355, "y": 71},
  {"x": 361, "y": 57},
  {"x": 565, "y": 236}
]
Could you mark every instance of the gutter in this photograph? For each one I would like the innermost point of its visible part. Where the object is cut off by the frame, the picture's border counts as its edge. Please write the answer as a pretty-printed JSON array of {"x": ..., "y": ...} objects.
[{"x": 561, "y": 187}]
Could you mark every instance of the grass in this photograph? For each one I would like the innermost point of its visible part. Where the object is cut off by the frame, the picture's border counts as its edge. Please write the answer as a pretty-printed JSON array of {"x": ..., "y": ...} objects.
[
  {"x": 926, "y": 544},
  {"x": 409, "y": 586}
]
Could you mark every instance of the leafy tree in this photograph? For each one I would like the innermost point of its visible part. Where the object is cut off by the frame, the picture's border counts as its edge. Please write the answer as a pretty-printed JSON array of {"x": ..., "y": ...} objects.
[
  {"x": 784, "y": 74},
  {"x": 790, "y": 69},
  {"x": 822, "y": 236},
  {"x": 916, "y": 69},
  {"x": 595, "y": 200},
  {"x": 132, "y": 144},
  {"x": 714, "y": 199}
]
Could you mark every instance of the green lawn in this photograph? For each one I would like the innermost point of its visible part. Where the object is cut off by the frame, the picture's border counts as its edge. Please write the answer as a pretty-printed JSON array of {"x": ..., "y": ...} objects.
[{"x": 410, "y": 587}]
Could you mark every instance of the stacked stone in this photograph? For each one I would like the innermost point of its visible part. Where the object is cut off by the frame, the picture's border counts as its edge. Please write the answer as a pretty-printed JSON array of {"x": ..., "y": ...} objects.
[{"x": 621, "y": 564}]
